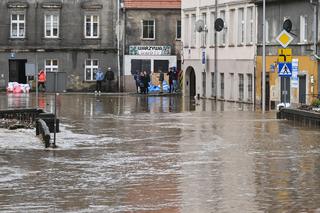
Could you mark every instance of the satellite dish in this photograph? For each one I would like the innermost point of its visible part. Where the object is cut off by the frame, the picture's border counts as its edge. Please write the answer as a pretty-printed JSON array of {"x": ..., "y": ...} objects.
[
  {"x": 219, "y": 24},
  {"x": 199, "y": 25},
  {"x": 287, "y": 25}
]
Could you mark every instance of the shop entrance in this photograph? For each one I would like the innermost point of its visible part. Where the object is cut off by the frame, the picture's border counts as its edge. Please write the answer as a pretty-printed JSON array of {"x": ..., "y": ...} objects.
[{"x": 17, "y": 71}]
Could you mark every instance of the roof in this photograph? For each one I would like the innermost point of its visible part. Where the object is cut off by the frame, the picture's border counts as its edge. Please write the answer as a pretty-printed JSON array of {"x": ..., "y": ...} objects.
[{"x": 152, "y": 4}]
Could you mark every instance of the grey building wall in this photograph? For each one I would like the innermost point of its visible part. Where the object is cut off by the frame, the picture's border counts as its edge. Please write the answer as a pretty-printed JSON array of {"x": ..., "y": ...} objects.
[
  {"x": 276, "y": 12},
  {"x": 165, "y": 28},
  {"x": 71, "y": 48}
]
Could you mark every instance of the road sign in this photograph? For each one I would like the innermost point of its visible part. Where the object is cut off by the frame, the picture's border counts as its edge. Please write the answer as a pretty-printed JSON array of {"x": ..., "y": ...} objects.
[
  {"x": 284, "y": 38},
  {"x": 285, "y": 69},
  {"x": 285, "y": 55}
]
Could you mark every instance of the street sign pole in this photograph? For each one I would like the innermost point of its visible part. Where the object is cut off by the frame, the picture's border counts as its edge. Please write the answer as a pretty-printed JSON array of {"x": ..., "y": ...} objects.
[{"x": 264, "y": 58}]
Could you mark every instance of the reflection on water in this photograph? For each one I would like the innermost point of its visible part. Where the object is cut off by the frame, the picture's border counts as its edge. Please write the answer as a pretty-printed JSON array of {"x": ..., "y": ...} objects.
[{"x": 161, "y": 154}]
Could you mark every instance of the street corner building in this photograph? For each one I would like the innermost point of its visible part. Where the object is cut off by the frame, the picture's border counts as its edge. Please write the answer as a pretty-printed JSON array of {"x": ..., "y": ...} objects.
[
  {"x": 302, "y": 53},
  {"x": 219, "y": 64},
  {"x": 70, "y": 37},
  {"x": 151, "y": 38}
]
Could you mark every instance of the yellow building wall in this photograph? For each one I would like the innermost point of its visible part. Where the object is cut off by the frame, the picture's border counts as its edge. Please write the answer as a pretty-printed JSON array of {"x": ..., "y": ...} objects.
[{"x": 307, "y": 66}]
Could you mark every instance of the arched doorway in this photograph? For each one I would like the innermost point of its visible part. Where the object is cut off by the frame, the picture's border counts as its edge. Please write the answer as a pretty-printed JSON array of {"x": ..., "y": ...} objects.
[{"x": 190, "y": 82}]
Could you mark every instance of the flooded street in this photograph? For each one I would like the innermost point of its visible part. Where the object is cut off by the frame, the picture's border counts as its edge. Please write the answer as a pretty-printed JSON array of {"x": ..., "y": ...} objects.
[{"x": 158, "y": 154}]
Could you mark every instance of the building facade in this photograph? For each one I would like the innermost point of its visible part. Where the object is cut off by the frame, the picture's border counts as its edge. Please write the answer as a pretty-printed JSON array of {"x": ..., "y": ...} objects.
[
  {"x": 74, "y": 37},
  {"x": 236, "y": 47},
  {"x": 151, "y": 38},
  {"x": 302, "y": 87}
]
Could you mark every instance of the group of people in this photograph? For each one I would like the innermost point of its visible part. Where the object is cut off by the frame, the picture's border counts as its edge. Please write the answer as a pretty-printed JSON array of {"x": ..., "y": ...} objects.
[
  {"x": 173, "y": 80},
  {"x": 142, "y": 80},
  {"x": 101, "y": 76}
]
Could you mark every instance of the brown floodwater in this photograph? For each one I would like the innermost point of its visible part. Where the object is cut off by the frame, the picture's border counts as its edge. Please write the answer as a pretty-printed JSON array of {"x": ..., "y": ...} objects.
[{"x": 131, "y": 153}]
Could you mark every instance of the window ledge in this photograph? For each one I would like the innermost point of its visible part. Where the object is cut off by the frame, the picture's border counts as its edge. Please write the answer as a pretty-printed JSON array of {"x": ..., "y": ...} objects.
[
  {"x": 211, "y": 46},
  {"x": 240, "y": 45},
  {"x": 85, "y": 38},
  {"x": 186, "y": 47},
  {"x": 193, "y": 47},
  {"x": 231, "y": 45},
  {"x": 148, "y": 39},
  {"x": 249, "y": 44},
  {"x": 222, "y": 46},
  {"x": 17, "y": 39},
  {"x": 51, "y": 38},
  {"x": 178, "y": 39}
]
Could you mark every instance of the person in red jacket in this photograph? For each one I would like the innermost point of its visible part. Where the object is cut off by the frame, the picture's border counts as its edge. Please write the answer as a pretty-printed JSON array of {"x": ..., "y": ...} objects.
[{"x": 42, "y": 79}]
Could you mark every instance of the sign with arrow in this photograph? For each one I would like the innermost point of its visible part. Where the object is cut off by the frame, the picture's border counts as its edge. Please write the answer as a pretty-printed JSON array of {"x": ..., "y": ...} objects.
[{"x": 285, "y": 69}]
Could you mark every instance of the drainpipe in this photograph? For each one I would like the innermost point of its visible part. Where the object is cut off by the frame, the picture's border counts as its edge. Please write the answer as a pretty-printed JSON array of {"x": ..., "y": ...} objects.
[
  {"x": 118, "y": 45},
  {"x": 264, "y": 57},
  {"x": 216, "y": 56}
]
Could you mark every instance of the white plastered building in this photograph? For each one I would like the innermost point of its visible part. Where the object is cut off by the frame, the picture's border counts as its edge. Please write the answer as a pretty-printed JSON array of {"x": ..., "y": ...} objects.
[{"x": 236, "y": 49}]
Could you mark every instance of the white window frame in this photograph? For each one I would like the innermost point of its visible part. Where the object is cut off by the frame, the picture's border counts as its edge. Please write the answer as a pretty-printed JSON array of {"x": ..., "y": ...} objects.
[
  {"x": 50, "y": 67},
  {"x": 186, "y": 30},
  {"x": 223, "y": 33},
  {"x": 211, "y": 28},
  {"x": 18, "y": 22},
  {"x": 303, "y": 29},
  {"x": 154, "y": 29},
  {"x": 91, "y": 33},
  {"x": 193, "y": 30},
  {"x": 250, "y": 25},
  {"x": 241, "y": 25},
  {"x": 232, "y": 26},
  {"x": 51, "y": 30},
  {"x": 177, "y": 29},
  {"x": 93, "y": 68}
]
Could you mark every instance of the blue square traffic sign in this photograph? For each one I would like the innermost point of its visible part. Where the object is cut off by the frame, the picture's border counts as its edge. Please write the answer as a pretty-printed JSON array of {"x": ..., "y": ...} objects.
[{"x": 285, "y": 69}]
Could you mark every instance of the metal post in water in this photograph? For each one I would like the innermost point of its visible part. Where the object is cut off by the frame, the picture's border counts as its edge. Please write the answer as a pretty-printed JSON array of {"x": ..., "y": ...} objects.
[
  {"x": 55, "y": 109},
  {"x": 216, "y": 55},
  {"x": 264, "y": 58},
  {"x": 36, "y": 75}
]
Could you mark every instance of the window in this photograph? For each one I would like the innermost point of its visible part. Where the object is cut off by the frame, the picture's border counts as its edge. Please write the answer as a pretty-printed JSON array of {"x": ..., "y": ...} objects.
[
  {"x": 267, "y": 32},
  {"x": 51, "y": 65},
  {"x": 213, "y": 93},
  {"x": 178, "y": 36},
  {"x": 241, "y": 89},
  {"x": 249, "y": 76},
  {"x": 211, "y": 28},
  {"x": 187, "y": 31},
  {"x": 91, "y": 67},
  {"x": 231, "y": 27},
  {"x": 231, "y": 85},
  {"x": 138, "y": 65},
  {"x": 222, "y": 85},
  {"x": 162, "y": 65},
  {"x": 148, "y": 29},
  {"x": 241, "y": 26},
  {"x": 17, "y": 25},
  {"x": 51, "y": 26},
  {"x": 223, "y": 33},
  {"x": 91, "y": 26},
  {"x": 250, "y": 28},
  {"x": 193, "y": 30},
  {"x": 204, "y": 34},
  {"x": 303, "y": 29}
]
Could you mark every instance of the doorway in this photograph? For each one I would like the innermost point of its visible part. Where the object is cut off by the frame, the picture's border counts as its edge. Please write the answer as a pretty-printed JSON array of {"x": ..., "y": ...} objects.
[
  {"x": 190, "y": 82},
  {"x": 302, "y": 89},
  {"x": 285, "y": 88},
  {"x": 17, "y": 71}
]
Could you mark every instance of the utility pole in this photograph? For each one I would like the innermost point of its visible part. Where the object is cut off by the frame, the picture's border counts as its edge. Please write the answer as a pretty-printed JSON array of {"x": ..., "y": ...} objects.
[
  {"x": 216, "y": 55},
  {"x": 264, "y": 57}
]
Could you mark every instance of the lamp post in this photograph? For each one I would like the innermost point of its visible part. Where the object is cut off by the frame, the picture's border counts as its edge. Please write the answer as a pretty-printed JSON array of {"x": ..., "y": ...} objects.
[{"x": 264, "y": 57}]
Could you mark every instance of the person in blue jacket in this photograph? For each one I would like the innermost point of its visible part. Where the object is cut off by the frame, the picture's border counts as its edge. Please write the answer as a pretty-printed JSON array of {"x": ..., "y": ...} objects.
[{"x": 99, "y": 79}]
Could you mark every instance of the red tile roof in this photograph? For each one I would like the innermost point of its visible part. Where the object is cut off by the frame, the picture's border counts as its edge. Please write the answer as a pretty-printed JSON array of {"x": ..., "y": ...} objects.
[{"x": 152, "y": 4}]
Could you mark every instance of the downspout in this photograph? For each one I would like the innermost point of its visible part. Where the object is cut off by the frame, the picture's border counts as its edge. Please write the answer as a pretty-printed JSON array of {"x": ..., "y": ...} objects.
[{"x": 118, "y": 46}]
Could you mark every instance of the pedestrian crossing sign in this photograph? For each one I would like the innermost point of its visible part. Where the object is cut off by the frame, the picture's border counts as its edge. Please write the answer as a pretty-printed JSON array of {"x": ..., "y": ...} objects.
[{"x": 285, "y": 69}]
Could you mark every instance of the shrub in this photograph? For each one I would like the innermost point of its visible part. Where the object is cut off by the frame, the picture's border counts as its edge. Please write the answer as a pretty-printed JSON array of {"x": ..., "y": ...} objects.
[{"x": 316, "y": 103}]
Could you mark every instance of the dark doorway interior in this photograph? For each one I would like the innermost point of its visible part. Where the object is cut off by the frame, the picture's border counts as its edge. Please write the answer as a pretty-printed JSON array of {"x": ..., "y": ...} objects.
[
  {"x": 17, "y": 71},
  {"x": 302, "y": 89},
  {"x": 285, "y": 86},
  {"x": 267, "y": 91},
  {"x": 192, "y": 83}
]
